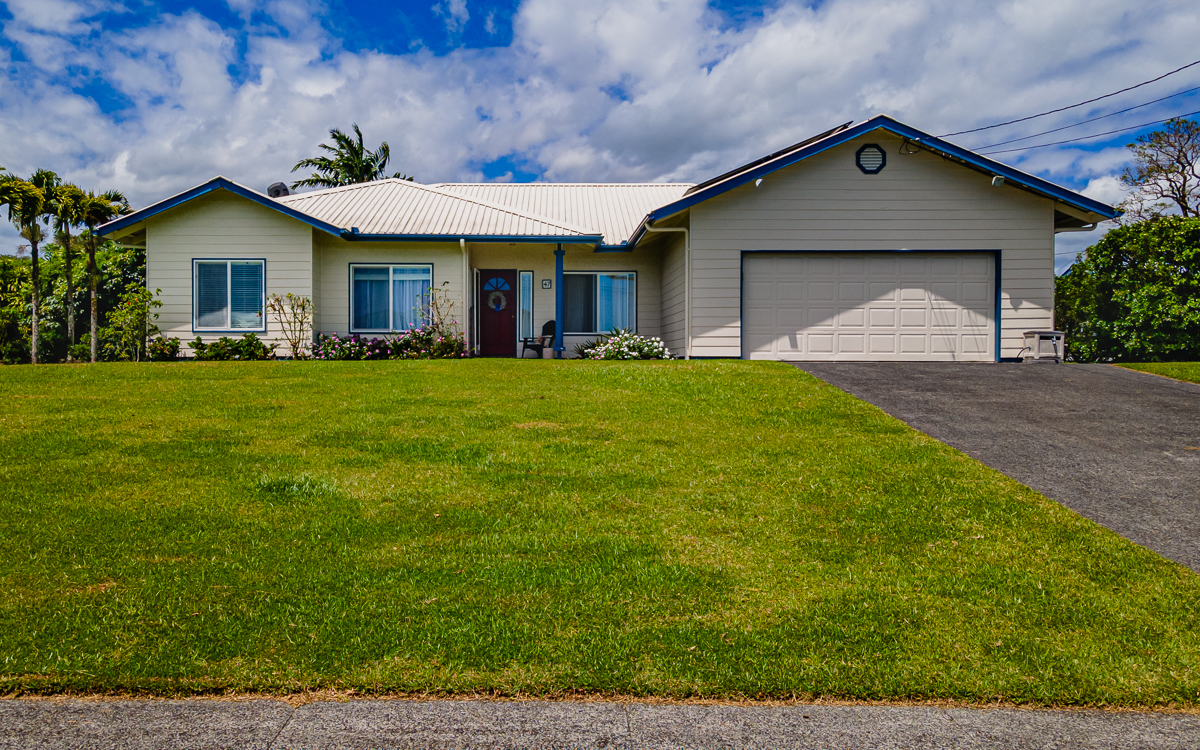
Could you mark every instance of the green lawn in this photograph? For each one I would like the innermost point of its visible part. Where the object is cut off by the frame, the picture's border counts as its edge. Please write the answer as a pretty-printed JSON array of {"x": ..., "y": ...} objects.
[
  {"x": 681, "y": 529},
  {"x": 1189, "y": 371}
]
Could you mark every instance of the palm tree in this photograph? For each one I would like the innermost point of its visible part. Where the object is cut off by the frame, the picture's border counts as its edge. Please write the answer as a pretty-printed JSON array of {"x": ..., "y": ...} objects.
[
  {"x": 26, "y": 201},
  {"x": 352, "y": 163},
  {"x": 95, "y": 210},
  {"x": 66, "y": 207}
]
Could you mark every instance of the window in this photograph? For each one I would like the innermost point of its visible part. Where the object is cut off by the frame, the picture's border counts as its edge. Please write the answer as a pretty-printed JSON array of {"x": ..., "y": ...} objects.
[
  {"x": 389, "y": 298},
  {"x": 525, "y": 319},
  {"x": 228, "y": 295},
  {"x": 599, "y": 302}
]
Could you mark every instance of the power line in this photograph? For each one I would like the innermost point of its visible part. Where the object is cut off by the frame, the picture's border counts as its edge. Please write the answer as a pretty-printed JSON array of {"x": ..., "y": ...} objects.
[
  {"x": 1085, "y": 122},
  {"x": 1089, "y": 137},
  {"x": 1073, "y": 106}
]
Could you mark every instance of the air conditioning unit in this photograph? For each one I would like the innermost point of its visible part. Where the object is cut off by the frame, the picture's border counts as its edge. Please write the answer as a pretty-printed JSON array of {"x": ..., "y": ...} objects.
[{"x": 1044, "y": 346}]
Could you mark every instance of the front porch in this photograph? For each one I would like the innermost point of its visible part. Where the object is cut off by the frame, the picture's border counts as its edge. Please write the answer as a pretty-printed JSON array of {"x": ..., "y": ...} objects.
[{"x": 514, "y": 290}]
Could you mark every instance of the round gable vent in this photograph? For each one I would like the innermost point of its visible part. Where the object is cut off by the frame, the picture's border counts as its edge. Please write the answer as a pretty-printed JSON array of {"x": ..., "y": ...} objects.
[{"x": 871, "y": 159}]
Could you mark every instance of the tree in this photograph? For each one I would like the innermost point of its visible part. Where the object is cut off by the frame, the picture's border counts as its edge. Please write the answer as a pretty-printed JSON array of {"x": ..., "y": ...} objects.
[
  {"x": 95, "y": 210},
  {"x": 1134, "y": 295},
  {"x": 66, "y": 207},
  {"x": 1165, "y": 171},
  {"x": 350, "y": 164},
  {"x": 27, "y": 205}
]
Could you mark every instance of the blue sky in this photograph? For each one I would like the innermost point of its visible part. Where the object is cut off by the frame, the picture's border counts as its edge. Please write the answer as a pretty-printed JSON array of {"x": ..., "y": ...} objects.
[{"x": 153, "y": 98}]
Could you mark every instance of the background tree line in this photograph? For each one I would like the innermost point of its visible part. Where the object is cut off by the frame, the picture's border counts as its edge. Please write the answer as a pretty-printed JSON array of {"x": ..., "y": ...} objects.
[
  {"x": 1134, "y": 296},
  {"x": 58, "y": 221}
]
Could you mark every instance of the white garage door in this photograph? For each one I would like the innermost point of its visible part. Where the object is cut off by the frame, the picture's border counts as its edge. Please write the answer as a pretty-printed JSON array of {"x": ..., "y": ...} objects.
[{"x": 869, "y": 306}]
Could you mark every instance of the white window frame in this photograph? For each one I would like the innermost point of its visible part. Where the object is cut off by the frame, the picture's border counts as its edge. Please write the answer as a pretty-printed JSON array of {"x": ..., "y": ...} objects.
[
  {"x": 596, "y": 300},
  {"x": 391, "y": 292},
  {"x": 524, "y": 303},
  {"x": 228, "y": 327}
]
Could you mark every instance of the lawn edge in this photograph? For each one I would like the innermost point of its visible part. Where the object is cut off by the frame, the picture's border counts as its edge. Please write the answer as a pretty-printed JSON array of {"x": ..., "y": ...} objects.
[
  {"x": 304, "y": 697},
  {"x": 1127, "y": 368}
]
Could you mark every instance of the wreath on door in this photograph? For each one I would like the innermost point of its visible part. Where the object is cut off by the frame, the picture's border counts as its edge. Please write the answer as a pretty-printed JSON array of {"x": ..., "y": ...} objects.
[{"x": 497, "y": 301}]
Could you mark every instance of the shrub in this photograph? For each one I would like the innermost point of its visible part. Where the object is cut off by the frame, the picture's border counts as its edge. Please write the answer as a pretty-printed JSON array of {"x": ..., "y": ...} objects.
[
  {"x": 625, "y": 344},
  {"x": 1134, "y": 295},
  {"x": 416, "y": 343},
  {"x": 163, "y": 349},
  {"x": 294, "y": 315},
  {"x": 131, "y": 324},
  {"x": 248, "y": 347}
]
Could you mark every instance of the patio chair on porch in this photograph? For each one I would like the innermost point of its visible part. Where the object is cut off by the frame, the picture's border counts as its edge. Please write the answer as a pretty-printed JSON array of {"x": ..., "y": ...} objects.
[{"x": 540, "y": 343}]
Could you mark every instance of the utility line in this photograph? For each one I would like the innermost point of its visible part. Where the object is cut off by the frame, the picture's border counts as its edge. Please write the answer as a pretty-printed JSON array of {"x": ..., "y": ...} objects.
[
  {"x": 1085, "y": 122},
  {"x": 1073, "y": 106},
  {"x": 1088, "y": 137}
]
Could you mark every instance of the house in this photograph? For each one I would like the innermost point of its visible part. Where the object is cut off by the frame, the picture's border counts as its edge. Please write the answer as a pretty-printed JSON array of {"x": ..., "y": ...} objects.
[{"x": 869, "y": 242}]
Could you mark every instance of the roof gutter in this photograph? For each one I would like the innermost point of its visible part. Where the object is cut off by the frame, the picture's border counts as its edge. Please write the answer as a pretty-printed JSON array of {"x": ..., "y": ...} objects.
[{"x": 353, "y": 235}]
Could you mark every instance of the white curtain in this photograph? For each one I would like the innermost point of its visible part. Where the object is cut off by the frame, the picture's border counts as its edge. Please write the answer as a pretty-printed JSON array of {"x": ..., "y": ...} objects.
[{"x": 616, "y": 302}]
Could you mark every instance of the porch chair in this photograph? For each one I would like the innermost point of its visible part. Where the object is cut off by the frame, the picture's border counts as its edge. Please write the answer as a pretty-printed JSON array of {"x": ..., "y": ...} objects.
[{"x": 540, "y": 343}]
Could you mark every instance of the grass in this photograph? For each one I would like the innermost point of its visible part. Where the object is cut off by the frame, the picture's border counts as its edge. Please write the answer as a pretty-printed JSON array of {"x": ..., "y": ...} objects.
[
  {"x": 726, "y": 529},
  {"x": 1189, "y": 371}
]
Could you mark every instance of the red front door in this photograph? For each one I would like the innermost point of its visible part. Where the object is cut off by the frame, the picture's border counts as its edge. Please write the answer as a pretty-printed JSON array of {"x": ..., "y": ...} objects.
[{"x": 498, "y": 313}]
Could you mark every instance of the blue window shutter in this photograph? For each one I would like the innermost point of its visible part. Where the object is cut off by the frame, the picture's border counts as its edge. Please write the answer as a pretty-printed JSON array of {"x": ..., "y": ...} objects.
[
  {"x": 212, "y": 295},
  {"x": 246, "y": 294}
]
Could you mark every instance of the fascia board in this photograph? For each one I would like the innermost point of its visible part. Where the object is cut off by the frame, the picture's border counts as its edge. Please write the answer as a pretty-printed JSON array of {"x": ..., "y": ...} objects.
[{"x": 513, "y": 238}]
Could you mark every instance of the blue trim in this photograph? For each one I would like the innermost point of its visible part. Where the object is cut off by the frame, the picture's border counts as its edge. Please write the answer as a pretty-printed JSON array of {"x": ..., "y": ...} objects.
[
  {"x": 742, "y": 281},
  {"x": 523, "y": 239},
  {"x": 216, "y": 183},
  {"x": 998, "y": 289},
  {"x": 558, "y": 301},
  {"x": 882, "y": 122},
  {"x": 624, "y": 247}
]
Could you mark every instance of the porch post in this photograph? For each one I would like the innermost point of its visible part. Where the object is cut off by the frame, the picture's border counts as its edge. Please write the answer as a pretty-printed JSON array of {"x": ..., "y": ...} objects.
[{"x": 558, "y": 301}]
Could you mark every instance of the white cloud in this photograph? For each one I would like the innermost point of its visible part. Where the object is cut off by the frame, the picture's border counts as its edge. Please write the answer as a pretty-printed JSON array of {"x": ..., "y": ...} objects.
[
  {"x": 588, "y": 90},
  {"x": 454, "y": 13}
]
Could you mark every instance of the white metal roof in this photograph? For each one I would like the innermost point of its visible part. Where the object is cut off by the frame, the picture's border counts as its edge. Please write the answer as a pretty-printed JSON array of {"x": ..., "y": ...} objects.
[
  {"x": 612, "y": 210},
  {"x": 401, "y": 207}
]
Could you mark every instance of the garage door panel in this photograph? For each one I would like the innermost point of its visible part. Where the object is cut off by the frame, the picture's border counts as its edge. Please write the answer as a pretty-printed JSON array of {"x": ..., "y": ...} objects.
[
  {"x": 881, "y": 344},
  {"x": 853, "y": 318},
  {"x": 820, "y": 291},
  {"x": 883, "y": 317},
  {"x": 869, "y": 306},
  {"x": 884, "y": 291}
]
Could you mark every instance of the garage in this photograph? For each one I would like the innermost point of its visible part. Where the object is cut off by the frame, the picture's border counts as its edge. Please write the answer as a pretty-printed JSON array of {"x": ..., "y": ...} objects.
[{"x": 871, "y": 307}]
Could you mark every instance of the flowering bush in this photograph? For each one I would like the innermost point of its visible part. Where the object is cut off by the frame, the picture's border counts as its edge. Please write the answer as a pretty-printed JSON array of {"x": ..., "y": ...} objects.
[
  {"x": 625, "y": 344},
  {"x": 416, "y": 343}
]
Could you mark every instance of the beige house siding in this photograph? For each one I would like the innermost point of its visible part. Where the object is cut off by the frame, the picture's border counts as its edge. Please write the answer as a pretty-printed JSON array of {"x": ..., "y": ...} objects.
[
  {"x": 919, "y": 202},
  {"x": 674, "y": 294},
  {"x": 540, "y": 259},
  {"x": 222, "y": 225},
  {"x": 334, "y": 256}
]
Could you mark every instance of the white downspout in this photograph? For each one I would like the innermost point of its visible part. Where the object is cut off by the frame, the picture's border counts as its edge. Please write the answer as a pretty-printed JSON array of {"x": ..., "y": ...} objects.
[
  {"x": 466, "y": 311},
  {"x": 687, "y": 285}
]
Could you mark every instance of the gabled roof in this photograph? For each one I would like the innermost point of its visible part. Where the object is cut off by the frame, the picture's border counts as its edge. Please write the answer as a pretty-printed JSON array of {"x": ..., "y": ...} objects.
[
  {"x": 612, "y": 210},
  {"x": 216, "y": 183},
  {"x": 800, "y": 151},
  {"x": 615, "y": 215},
  {"x": 393, "y": 209}
]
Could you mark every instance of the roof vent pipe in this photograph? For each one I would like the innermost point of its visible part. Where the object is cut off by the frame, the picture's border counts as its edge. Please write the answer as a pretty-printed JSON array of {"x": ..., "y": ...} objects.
[{"x": 278, "y": 190}]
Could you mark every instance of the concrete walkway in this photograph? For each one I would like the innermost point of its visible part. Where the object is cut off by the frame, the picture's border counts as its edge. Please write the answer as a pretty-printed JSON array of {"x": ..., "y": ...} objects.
[
  {"x": 1116, "y": 446},
  {"x": 204, "y": 724}
]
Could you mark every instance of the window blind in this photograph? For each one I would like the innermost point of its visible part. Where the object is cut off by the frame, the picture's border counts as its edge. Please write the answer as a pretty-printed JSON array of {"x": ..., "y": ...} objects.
[
  {"x": 245, "y": 295},
  {"x": 212, "y": 295}
]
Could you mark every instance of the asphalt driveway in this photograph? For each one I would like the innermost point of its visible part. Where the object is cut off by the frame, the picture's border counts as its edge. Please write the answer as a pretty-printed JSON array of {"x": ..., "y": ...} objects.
[{"x": 1117, "y": 446}]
